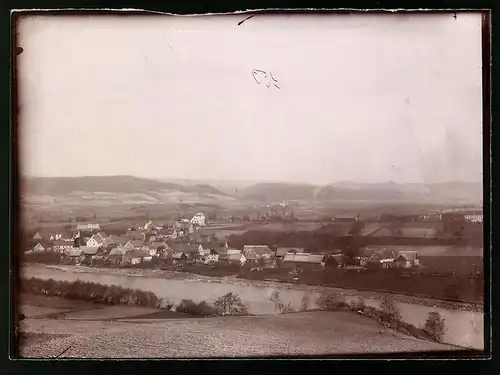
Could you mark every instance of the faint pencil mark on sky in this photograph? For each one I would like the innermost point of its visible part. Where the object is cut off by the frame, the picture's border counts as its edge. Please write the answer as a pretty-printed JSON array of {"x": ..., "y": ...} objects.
[
  {"x": 262, "y": 77},
  {"x": 239, "y": 23}
]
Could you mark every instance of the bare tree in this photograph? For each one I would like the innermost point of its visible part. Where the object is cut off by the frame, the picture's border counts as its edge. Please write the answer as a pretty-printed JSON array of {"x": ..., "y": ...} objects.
[{"x": 276, "y": 299}]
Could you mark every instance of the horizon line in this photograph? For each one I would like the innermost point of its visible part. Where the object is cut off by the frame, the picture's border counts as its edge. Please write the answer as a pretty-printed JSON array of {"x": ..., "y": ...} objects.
[{"x": 162, "y": 179}]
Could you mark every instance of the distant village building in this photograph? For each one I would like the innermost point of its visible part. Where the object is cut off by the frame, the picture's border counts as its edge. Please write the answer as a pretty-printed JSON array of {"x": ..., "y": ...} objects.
[
  {"x": 304, "y": 261},
  {"x": 407, "y": 259},
  {"x": 95, "y": 241},
  {"x": 199, "y": 219},
  {"x": 474, "y": 216},
  {"x": 257, "y": 251},
  {"x": 136, "y": 256},
  {"x": 88, "y": 227},
  {"x": 345, "y": 219},
  {"x": 61, "y": 245},
  {"x": 38, "y": 247},
  {"x": 282, "y": 251}
]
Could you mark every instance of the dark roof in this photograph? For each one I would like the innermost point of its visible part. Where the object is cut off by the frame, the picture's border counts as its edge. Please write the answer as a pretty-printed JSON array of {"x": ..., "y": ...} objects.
[
  {"x": 136, "y": 253},
  {"x": 410, "y": 256},
  {"x": 116, "y": 252},
  {"x": 73, "y": 252},
  {"x": 62, "y": 243},
  {"x": 282, "y": 251},
  {"x": 384, "y": 254},
  {"x": 87, "y": 250},
  {"x": 303, "y": 258},
  {"x": 186, "y": 248},
  {"x": 258, "y": 249},
  {"x": 234, "y": 257},
  {"x": 221, "y": 251},
  {"x": 179, "y": 255},
  {"x": 157, "y": 244},
  {"x": 137, "y": 243},
  {"x": 120, "y": 240},
  {"x": 250, "y": 255},
  {"x": 224, "y": 256}
]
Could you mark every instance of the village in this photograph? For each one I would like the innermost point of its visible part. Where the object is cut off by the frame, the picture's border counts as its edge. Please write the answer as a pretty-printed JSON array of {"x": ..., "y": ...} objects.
[{"x": 186, "y": 242}]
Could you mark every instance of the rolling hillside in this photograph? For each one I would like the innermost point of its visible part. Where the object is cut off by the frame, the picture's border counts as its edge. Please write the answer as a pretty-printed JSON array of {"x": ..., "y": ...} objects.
[
  {"x": 112, "y": 184},
  {"x": 442, "y": 193},
  {"x": 448, "y": 192},
  {"x": 277, "y": 191}
]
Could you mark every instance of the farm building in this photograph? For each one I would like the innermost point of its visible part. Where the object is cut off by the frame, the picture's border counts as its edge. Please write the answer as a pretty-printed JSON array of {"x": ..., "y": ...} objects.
[
  {"x": 334, "y": 261},
  {"x": 95, "y": 241},
  {"x": 304, "y": 261},
  {"x": 407, "y": 259},
  {"x": 88, "y": 227},
  {"x": 136, "y": 256},
  {"x": 117, "y": 240},
  {"x": 382, "y": 259},
  {"x": 179, "y": 257},
  {"x": 60, "y": 245},
  {"x": 260, "y": 251},
  {"x": 190, "y": 250},
  {"x": 282, "y": 251},
  {"x": 236, "y": 258},
  {"x": 38, "y": 247},
  {"x": 115, "y": 255},
  {"x": 134, "y": 244},
  {"x": 73, "y": 255}
]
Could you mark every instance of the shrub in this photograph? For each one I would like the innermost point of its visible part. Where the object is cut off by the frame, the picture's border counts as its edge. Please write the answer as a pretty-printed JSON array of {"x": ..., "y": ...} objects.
[
  {"x": 305, "y": 302},
  {"x": 165, "y": 304},
  {"x": 190, "y": 307},
  {"x": 358, "y": 304},
  {"x": 276, "y": 299},
  {"x": 434, "y": 326},
  {"x": 230, "y": 304},
  {"x": 285, "y": 308},
  {"x": 91, "y": 292},
  {"x": 44, "y": 257},
  {"x": 329, "y": 301},
  {"x": 389, "y": 310}
]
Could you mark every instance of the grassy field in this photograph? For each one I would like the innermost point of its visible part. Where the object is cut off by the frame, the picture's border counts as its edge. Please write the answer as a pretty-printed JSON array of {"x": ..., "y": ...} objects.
[
  {"x": 40, "y": 306},
  {"x": 309, "y": 333},
  {"x": 462, "y": 265}
]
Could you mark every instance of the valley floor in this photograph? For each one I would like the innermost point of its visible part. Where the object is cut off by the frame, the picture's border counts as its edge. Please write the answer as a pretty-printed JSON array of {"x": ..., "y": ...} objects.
[{"x": 83, "y": 332}]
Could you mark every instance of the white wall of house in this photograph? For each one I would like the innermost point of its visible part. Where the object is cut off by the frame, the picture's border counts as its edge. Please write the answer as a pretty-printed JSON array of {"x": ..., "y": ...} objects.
[
  {"x": 93, "y": 242},
  {"x": 198, "y": 219}
]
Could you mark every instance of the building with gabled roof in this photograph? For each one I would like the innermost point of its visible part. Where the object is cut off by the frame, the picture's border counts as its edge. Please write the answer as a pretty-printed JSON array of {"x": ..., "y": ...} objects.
[
  {"x": 304, "y": 261},
  {"x": 282, "y": 251}
]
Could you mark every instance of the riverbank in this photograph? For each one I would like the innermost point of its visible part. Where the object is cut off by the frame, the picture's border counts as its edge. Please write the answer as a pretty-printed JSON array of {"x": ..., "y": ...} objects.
[
  {"x": 465, "y": 327},
  {"x": 190, "y": 277}
]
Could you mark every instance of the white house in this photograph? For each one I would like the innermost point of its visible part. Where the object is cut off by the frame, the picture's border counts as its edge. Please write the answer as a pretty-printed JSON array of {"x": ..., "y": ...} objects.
[
  {"x": 199, "y": 219},
  {"x": 61, "y": 245},
  {"x": 95, "y": 241},
  {"x": 94, "y": 227},
  {"x": 474, "y": 216}
]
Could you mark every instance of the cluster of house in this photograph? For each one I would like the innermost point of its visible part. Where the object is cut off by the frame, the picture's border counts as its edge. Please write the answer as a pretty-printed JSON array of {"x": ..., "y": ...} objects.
[{"x": 183, "y": 242}]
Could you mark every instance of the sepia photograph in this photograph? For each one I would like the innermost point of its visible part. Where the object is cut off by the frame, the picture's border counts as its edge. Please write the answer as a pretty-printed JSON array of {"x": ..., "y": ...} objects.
[{"x": 252, "y": 185}]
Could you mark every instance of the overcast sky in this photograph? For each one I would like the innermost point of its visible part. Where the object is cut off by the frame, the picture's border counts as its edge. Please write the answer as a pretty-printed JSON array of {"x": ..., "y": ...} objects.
[{"x": 361, "y": 97}]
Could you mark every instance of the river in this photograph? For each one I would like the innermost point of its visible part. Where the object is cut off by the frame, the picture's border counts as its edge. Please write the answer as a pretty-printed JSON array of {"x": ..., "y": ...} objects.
[{"x": 463, "y": 328}]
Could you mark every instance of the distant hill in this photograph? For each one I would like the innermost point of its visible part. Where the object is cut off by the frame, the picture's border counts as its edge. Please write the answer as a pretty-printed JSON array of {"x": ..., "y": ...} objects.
[
  {"x": 277, "y": 191},
  {"x": 449, "y": 192},
  {"x": 128, "y": 188},
  {"x": 112, "y": 184}
]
